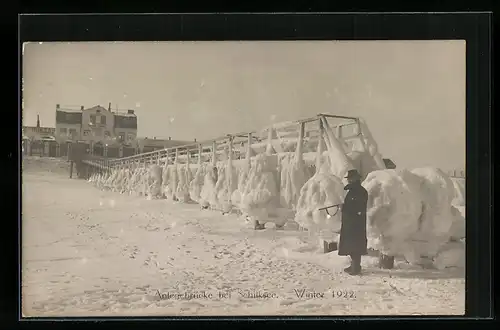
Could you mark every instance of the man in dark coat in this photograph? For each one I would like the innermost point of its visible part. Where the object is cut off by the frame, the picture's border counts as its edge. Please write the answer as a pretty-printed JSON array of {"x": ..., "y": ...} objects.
[{"x": 353, "y": 241}]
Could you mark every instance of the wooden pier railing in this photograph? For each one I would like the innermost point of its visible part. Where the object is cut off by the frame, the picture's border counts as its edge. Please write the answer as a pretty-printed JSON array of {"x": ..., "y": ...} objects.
[{"x": 236, "y": 143}]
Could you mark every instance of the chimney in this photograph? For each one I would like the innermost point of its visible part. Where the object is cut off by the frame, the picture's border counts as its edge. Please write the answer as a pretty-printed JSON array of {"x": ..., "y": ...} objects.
[
  {"x": 38, "y": 121},
  {"x": 130, "y": 112},
  {"x": 82, "y": 107},
  {"x": 169, "y": 138},
  {"x": 194, "y": 139},
  {"x": 109, "y": 106},
  {"x": 58, "y": 106}
]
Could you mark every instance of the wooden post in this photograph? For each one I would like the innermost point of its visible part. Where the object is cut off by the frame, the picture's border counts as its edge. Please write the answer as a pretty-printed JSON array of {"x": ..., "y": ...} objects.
[
  {"x": 71, "y": 170},
  {"x": 249, "y": 149},
  {"x": 338, "y": 132},
  {"x": 214, "y": 154},
  {"x": 270, "y": 148},
  {"x": 120, "y": 151},
  {"x": 69, "y": 147},
  {"x": 230, "y": 147},
  {"x": 200, "y": 151},
  {"x": 46, "y": 149},
  {"x": 300, "y": 142},
  {"x": 58, "y": 149},
  {"x": 188, "y": 160},
  {"x": 320, "y": 145}
]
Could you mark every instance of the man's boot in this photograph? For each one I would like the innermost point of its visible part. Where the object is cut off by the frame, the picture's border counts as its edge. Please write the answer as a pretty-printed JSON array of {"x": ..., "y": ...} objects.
[
  {"x": 349, "y": 269},
  {"x": 356, "y": 265}
]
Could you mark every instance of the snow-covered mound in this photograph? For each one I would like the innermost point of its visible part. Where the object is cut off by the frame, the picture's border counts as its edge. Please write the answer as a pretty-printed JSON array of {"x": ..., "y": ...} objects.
[
  {"x": 437, "y": 192},
  {"x": 260, "y": 194},
  {"x": 155, "y": 181},
  {"x": 293, "y": 175},
  {"x": 227, "y": 183},
  {"x": 322, "y": 190},
  {"x": 184, "y": 176},
  {"x": 243, "y": 173},
  {"x": 208, "y": 195},
  {"x": 457, "y": 230},
  {"x": 393, "y": 210},
  {"x": 196, "y": 185},
  {"x": 459, "y": 197},
  {"x": 170, "y": 181}
]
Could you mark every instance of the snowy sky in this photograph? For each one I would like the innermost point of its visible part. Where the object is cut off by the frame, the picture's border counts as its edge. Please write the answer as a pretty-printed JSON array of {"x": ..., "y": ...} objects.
[{"x": 411, "y": 93}]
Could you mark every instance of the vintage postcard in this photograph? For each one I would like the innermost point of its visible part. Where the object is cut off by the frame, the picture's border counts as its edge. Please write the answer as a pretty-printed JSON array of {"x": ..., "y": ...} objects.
[{"x": 243, "y": 178}]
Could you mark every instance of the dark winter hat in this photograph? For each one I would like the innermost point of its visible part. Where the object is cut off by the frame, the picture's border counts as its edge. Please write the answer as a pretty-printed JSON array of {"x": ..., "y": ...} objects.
[{"x": 353, "y": 174}]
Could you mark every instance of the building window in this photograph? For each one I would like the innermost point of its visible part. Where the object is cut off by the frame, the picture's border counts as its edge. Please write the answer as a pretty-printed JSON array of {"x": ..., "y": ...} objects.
[
  {"x": 121, "y": 137},
  {"x": 106, "y": 133},
  {"x": 63, "y": 130},
  {"x": 103, "y": 120},
  {"x": 72, "y": 132},
  {"x": 92, "y": 119},
  {"x": 86, "y": 133},
  {"x": 130, "y": 136}
]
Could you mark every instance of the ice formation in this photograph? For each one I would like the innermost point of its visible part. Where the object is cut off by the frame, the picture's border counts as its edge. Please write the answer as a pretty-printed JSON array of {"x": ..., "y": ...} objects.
[
  {"x": 208, "y": 195},
  {"x": 260, "y": 194},
  {"x": 196, "y": 185},
  {"x": 170, "y": 178},
  {"x": 227, "y": 182},
  {"x": 293, "y": 174},
  {"x": 155, "y": 181},
  {"x": 339, "y": 162},
  {"x": 184, "y": 179},
  {"x": 322, "y": 190},
  {"x": 437, "y": 192},
  {"x": 459, "y": 197},
  {"x": 370, "y": 145},
  {"x": 393, "y": 210}
]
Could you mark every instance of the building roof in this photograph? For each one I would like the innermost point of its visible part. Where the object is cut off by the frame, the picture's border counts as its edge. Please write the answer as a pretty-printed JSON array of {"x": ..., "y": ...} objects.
[
  {"x": 125, "y": 121},
  {"x": 68, "y": 117},
  {"x": 97, "y": 107}
]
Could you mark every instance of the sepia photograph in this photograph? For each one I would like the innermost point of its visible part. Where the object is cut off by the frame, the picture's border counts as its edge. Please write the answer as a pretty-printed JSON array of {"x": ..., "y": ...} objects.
[{"x": 243, "y": 178}]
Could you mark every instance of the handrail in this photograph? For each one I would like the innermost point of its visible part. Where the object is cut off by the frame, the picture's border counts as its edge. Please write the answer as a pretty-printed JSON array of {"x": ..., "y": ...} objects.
[{"x": 158, "y": 155}]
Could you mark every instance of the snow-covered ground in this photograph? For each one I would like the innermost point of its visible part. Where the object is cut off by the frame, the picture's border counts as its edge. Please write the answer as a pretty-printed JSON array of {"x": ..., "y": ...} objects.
[{"x": 87, "y": 252}]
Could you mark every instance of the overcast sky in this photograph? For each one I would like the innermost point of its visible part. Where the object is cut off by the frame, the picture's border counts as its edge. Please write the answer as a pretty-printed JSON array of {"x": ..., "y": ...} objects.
[{"x": 411, "y": 93}]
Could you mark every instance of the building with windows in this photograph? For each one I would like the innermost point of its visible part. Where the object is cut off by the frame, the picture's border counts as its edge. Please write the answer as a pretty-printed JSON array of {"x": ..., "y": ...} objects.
[
  {"x": 68, "y": 124},
  {"x": 125, "y": 127},
  {"x": 96, "y": 125}
]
